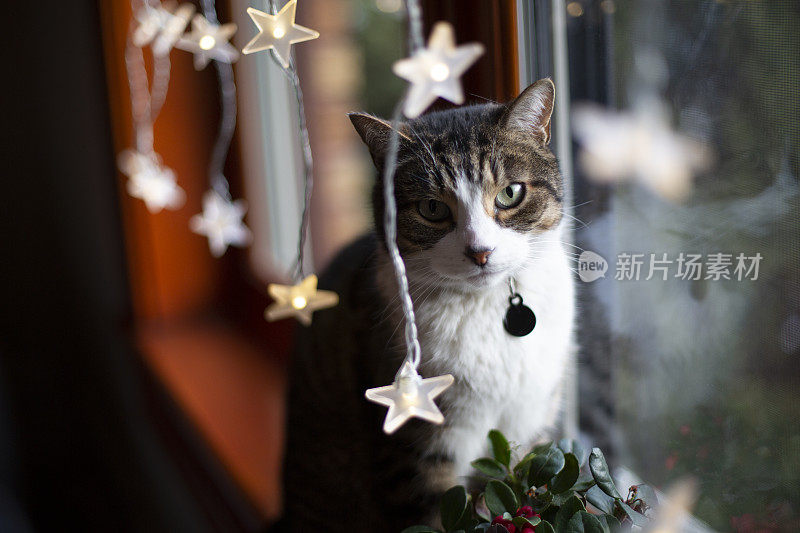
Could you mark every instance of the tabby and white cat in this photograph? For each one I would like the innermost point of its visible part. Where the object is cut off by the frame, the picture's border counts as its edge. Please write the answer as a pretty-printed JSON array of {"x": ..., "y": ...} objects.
[{"x": 479, "y": 202}]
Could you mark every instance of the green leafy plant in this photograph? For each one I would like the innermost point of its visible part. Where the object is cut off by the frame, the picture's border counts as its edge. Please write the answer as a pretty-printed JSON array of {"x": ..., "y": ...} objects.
[{"x": 556, "y": 488}]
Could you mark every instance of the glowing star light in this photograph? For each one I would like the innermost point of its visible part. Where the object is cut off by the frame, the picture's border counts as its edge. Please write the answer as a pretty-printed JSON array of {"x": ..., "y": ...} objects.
[
  {"x": 435, "y": 70},
  {"x": 221, "y": 221},
  {"x": 299, "y": 300},
  {"x": 150, "y": 181},
  {"x": 638, "y": 145},
  {"x": 209, "y": 41},
  {"x": 162, "y": 26},
  {"x": 278, "y": 32},
  {"x": 408, "y": 396}
]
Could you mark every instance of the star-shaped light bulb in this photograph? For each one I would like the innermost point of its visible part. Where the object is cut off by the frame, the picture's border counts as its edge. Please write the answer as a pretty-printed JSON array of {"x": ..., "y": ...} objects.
[
  {"x": 439, "y": 72},
  {"x": 161, "y": 26},
  {"x": 410, "y": 396},
  {"x": 299, "y": 301},
  {"x": 221, "y": 221},
  {"x": 434, "y": 71},
  {"x": 278, "y": 32},
  {"x": 150, "y": 181},
  {"x": 639, "y": 145},
  {"x": 209, "y": 41}
]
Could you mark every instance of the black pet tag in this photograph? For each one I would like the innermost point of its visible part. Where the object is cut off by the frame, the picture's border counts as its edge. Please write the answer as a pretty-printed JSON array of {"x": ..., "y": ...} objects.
[{"x": 520, "y": 319}]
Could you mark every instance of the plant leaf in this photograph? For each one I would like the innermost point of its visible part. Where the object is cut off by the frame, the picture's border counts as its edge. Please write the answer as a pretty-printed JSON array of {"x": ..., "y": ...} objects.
[
  {"x": 520, "y": 521},
  {"x": 489, "y": 467},
  {"x": 500, "y": 498},
  {"x": 601, "y": 474},
  {"x": 647, "y": 494},
  {"x": 600, "y": 499},
  {"x": 583, "y": 522},
  {"x": 637, "y": 518},
  {"x": 419, "y": 529},
  {"x": 559, "y": 499},
  {"x": 611, "y": 524},
  {"x": 521, "y": 470},
  {"x": 584, "y": 483},
  {"x": 545, "y": 527},
  {"x": 500, "y": 448},
  {"x": 454, "y": 508},
  {"x": 574, "y": 447},
  {"x": 566, "y": 478},
  {"x": 542, "y": 447},
  {"x": 481, "y": 510},
  {"x": 545, "y": 465},
  {"x": 542, "y": 501},
  {"x": 565, "y": 513}
]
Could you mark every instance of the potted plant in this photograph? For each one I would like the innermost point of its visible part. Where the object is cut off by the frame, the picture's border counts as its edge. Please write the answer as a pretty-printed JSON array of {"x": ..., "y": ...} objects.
[{"x": 556, "y": 487}]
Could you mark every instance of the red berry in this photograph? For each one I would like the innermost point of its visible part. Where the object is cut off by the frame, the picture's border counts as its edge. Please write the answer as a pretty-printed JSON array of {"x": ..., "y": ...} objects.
[
  {"x": 526, "y": 511},
  {"x": 508, "y": 524}
]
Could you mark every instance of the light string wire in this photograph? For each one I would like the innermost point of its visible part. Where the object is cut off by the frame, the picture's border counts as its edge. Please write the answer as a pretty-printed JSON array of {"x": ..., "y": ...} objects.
[
  {"x": 308, "y": 160},
  {"x": 228, "y": 110},
  {"x": 147, "y": 98},
  {"x": 413, "y": 350}
]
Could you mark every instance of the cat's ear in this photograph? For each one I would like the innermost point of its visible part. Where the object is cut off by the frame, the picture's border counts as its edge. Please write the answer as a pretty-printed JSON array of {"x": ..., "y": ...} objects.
[
  {"x": 530, "y": 112},
  {"x": 375, "y": 134}
]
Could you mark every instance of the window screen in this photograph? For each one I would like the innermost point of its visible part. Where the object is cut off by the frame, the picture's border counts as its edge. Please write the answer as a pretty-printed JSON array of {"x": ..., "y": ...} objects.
[{"x": 693, "y": 374}]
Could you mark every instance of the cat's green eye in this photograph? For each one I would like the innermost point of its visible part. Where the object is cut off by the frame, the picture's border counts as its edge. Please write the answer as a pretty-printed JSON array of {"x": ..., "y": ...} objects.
[
  {"x": 510, "y": 197},
  {"x": 433, "y": 210}
]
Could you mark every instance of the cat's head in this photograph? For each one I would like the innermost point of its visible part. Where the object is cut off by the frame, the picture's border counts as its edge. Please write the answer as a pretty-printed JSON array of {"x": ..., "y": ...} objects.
[{"x": 476, "y": 187}]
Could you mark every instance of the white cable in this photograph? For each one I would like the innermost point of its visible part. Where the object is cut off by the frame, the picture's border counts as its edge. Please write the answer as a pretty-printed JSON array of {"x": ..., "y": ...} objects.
[
  {"x": 227, "y": 125},
  {"x": 308, "y": 159},
  {"x": 146, "y": 98},
  {"x": 413, "y": 351}
]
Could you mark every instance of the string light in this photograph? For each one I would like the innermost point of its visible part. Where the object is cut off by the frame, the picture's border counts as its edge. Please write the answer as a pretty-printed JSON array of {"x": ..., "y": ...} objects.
[
  {"x": 432, "y": 71},
  {"x": 278, "y": 32},
  {"x": 575, "y": 9},
  {"x": 221, "y": 221},
  {"x": 222, "y": 218},
  {"x": 410, "y": 396},
  {"x": 209, "y": 40},
  {"x": 161, "y": 25},
  {"x": 298, "y": 301},
  {"x": 149, "y": 180},
  {"x": 638, "y": 145},
  {"x": 435, "y": 70}
]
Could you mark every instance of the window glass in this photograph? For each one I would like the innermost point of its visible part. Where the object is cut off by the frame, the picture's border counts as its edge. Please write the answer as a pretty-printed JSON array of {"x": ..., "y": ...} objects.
[{"x": 687, "y": 188}]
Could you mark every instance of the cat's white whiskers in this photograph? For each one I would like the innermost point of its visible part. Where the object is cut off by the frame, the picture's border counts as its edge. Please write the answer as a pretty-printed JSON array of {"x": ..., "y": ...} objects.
[
  {"x": 577, "y": 205},
  {"x": 576, "y": 219},
  {"x": 565, "y": 243}
]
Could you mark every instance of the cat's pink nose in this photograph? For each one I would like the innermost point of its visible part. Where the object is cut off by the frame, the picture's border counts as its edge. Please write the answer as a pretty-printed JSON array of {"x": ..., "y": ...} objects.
[{"x": 479, "y": 256}]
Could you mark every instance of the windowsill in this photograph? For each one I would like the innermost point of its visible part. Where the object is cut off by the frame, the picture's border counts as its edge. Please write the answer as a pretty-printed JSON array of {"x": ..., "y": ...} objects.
[{"x": 232, "y": 392}]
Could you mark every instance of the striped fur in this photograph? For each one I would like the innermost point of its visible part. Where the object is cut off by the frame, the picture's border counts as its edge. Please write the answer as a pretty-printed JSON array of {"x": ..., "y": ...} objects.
[{"x": 341, "y": 472}]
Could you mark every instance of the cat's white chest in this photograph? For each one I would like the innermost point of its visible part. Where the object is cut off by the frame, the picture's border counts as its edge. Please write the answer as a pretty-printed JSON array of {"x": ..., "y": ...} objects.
[{"x": 504, "y": 382}]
